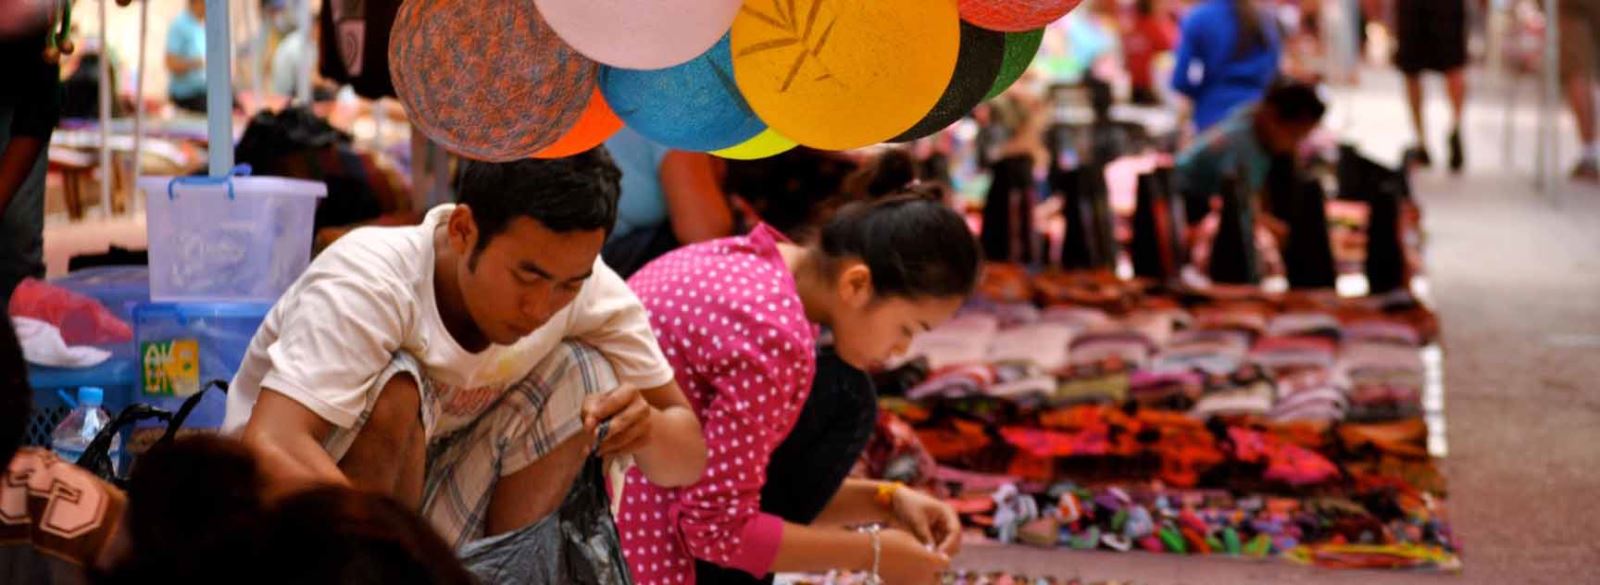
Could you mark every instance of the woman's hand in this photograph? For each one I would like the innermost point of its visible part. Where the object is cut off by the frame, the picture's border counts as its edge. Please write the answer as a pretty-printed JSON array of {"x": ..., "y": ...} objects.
[
  {"x": 905, "y": 561},
  {"x": 931, "y": 520}
]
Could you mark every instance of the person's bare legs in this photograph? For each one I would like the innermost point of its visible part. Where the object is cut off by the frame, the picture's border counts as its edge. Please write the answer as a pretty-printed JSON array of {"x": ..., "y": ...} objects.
[
  {"x": 1580, "y": 96},
  {"x": 1414, "y": 101},
  {"x": 530, "y": 494},
  {"x": 389, "y": 454},
  {"x": 1455, "y": 82}
]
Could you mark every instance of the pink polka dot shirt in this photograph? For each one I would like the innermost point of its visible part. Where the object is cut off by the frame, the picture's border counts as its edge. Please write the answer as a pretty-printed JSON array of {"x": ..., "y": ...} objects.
[{"x": 730, "y": 321}]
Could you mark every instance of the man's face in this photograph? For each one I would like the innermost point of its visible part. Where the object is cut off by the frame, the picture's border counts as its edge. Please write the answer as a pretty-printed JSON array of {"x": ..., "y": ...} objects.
[
  {"x": 198, "y": 8},
  {"x": 526, "y": 275},
  {"x": 1284, "y": 137}
]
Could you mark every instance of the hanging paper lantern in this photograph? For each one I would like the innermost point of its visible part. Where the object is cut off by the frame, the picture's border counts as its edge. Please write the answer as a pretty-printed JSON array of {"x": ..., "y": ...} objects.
[
  {"x": 982, "y": 53},
  {"x": 693, "y": 106},
  {"x": 1020, "y": 49},
  {"x": 488, "y": 80},
  {"x": 639, "y": 34},
  {"x": 767, "y": 143},
  {"x": 842, "y": 74},
  {"x": 596, "y": 125},
  {"x": 1015, "y": 15}
]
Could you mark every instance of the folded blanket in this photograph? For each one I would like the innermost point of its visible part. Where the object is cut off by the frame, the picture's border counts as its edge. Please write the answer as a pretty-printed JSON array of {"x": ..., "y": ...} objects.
[{"x": 1042, "y": 344}]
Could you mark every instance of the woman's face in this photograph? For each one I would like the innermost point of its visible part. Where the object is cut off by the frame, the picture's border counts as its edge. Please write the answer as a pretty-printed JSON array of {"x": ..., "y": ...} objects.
[{"x": 868, "y": 329}]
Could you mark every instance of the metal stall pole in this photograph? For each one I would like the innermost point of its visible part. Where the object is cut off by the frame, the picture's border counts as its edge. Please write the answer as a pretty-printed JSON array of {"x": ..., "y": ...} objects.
[
  {"x": 302, "y": 23},
  {"x": 107, "y": 166},
  {"x": 219, "y": 87},
  {"x": 138, "y": 91}
]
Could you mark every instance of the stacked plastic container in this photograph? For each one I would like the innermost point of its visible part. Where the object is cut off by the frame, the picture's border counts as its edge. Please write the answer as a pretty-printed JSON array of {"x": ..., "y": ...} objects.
[{"x": 221, "y": 252}]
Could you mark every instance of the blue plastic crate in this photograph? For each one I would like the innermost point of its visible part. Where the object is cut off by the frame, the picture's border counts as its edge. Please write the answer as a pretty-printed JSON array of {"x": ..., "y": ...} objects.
[
  {"x": 184, "y": 346},
  {"x": 119, "y": 376},
  {"x": 119, "y": 288}
]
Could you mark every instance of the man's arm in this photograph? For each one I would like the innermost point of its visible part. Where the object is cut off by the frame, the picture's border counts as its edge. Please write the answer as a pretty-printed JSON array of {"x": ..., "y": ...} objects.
[
  {"x": 287, "y": 438},
  {"x": 655, "y": 424},
  {"x": 34, "y": 119},
  {"x": 696, "y": 205},
  {"x": 180, "y": 65},
  {"x": 21, "y": 153}
]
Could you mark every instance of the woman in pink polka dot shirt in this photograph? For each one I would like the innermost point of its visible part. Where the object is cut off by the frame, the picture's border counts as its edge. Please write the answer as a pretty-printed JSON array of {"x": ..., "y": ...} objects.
[{"x": 738, "y": 320}]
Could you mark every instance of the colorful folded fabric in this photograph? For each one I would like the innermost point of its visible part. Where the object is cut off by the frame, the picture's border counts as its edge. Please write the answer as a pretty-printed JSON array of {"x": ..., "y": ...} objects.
[
  {"x": 1156, "y": 326},
  {"x": 1129, "y": 348},
  {"x": 1015, "y": 314},
  {"x": 1081, "y": 318},
  {"x": 1175, "y": 390},
  {"x": 1241, "y": 319},
  {"x": 1042, "y": 344},
  {"x": 1092, "y": 387},
  {"x": 963, "y": 340},
  {"x": 1358, "y": 354},
  {"x": 1040, "y": 386},
  {"x": 1281, "y": 354},
  {"x": 1214, "y": 359},
  {"x": 1304, "y": 323},
  {"x": 955, "y": 382},
  {"x": 1255, "y": 398},
  {"x": 1237, "y": 340},
  {"x": 1382, "y": 331}
]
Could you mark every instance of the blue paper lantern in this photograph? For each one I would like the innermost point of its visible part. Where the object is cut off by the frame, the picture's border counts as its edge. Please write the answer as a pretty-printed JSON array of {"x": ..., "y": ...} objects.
[{"x": 693, "y": 106}]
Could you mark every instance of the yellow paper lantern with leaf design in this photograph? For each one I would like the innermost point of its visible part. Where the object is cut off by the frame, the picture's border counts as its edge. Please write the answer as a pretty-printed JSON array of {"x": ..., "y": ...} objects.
[{"x": 842, "y": 74}]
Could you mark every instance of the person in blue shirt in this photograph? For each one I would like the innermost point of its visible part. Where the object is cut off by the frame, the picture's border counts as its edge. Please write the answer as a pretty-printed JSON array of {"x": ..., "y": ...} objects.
[
  {"x": 186, "y": 58},
  {"x": 1243, "y": 145},
  {"x": 1228, "y": 53},
  {"x": 669, "y": 198}
]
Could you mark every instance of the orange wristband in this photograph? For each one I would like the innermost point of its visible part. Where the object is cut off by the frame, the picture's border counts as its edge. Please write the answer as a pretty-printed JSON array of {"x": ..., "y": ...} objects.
[{"x": 885, "y": 496}]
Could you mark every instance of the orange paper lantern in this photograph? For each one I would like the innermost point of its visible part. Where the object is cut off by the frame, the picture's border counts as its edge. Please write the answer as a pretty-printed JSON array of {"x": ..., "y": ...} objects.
[{"x": 594, "y": 126}]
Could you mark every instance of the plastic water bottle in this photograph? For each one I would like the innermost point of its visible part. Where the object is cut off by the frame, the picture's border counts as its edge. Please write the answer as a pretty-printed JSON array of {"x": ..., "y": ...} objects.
[{"x": 86, "y": 420}]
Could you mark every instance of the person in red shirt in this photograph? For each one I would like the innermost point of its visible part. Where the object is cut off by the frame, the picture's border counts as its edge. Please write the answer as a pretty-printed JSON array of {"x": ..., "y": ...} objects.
[{"x": 1150, "y": 32}]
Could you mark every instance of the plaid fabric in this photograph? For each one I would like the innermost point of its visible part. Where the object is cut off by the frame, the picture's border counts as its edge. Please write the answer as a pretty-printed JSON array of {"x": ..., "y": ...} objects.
[{"x": 534, "y": 417}]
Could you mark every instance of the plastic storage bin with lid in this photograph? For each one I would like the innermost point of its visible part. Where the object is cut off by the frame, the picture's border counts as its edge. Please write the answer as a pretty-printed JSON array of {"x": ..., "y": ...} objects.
[
  {"x": 184, "y": 346},
  {"x": 236, "y": 238}
]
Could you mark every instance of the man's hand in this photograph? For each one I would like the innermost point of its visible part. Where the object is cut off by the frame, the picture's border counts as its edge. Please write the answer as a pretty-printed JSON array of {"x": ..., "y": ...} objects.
[
  {"x": 932, "y": 521},
  {"x": 627, "y": 417}
]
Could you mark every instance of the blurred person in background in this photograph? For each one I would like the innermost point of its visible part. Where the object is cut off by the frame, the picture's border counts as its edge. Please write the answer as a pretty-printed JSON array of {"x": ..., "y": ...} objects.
[
  {"x": 669, "y": 198},
  {"x": 1432, "y": 36},
  {"x": 1228, "y": 54},
  {"x": 1243, "y": 145},
  {"x": 186, "y": 58},
  {"x": 1580, "y": 57},
  {"x": 30, "y": 106},
  {"x": 1149, "y": 32}
]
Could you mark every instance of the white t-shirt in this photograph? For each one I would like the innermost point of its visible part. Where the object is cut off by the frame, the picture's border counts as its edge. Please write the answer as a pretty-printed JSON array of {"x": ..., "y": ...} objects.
[{"x": 370, "y": 296}]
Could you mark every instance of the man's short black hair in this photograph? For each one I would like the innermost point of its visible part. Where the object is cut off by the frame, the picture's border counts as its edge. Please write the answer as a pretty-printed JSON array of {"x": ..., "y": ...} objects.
[
  {"x": 573, "y": 194},
  {"x": 1296, "y": 101}
]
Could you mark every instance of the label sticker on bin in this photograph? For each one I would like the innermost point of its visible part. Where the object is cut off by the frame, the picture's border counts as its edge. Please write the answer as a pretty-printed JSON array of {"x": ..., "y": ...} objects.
[{"x": 171, "y": 368}]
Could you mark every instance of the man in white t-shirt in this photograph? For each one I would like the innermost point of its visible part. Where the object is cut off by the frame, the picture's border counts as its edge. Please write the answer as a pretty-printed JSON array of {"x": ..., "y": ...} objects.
[{"x": 465, "y": 365}]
